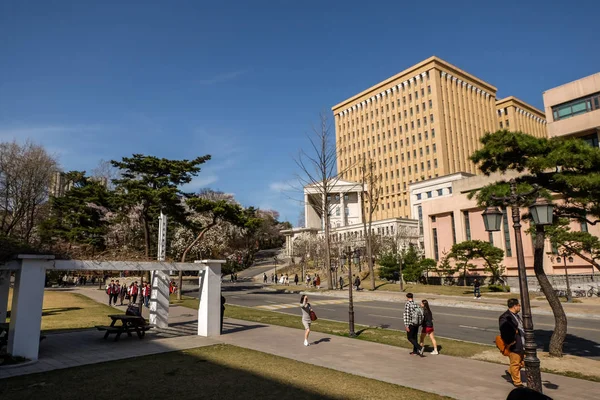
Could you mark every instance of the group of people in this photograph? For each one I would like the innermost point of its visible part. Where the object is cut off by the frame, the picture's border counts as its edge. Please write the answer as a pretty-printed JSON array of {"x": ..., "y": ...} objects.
[
  {"x": 418, "y": 316},
  {"x": 315, "y": 281},
  {"x": 116, "y": 291}
]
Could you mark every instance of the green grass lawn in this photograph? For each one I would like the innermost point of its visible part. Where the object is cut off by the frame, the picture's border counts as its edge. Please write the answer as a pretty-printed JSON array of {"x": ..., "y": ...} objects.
[
  {"x": 63, "y": 310},
  {"x": 214, "y": 372}
]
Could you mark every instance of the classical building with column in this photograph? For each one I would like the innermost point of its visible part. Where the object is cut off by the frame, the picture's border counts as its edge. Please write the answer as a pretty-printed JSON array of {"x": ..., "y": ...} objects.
[{"x": 345, "y": 216}]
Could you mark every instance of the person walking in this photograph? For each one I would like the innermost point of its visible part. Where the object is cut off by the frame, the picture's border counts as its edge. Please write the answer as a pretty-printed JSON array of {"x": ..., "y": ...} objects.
[
  {"x": 341, "y": 283},
  {"x": 427, "y": 326},
  {"x": 413, "y": 318},
  {"x": 123, "y": 293},
  {"x": 116, "y": 292},
  {"x": 476, "y": 289},
  {"x": 513, "y": 336},
  {"x": 318, "y": 281},
  {"x": 287, "y": 280},
  {"x": 307, "y": 280},
  {"x": 264, "y": 277},
  {"x": 146, "y": 293},
  {"x": 223, "y": 301},
  {"x": 306, "y": 321},
  {"x": 296, "y": 279},
  {"x": 109, "y": 289},
  {"x": 134, "y": 292},
  {"x": 357, "y": 283}
]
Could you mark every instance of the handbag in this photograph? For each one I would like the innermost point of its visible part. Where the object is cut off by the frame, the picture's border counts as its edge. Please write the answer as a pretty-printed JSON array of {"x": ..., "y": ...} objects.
[
  {"x": 503, "y": 347},
  {"x": 313, "y": 316}
]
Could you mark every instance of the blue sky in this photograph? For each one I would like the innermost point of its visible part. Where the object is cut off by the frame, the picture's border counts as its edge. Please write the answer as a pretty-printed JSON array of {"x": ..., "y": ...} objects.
[{"x": 244, "y": 80}]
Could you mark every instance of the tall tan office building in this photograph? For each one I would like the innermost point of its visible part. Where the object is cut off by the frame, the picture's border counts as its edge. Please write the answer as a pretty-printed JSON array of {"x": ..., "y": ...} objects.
[
  {"x": 516, "y": 115},
  {"x": 419, "y": 124}
]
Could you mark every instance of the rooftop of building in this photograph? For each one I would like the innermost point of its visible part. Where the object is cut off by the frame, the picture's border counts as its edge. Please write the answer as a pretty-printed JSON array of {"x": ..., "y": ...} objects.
[
  {"x": 439, "y": 179},
  {"x": 576, "y": 81},
  {"x": 512, "y": 99},
  {"x": 434, "y": 61}
]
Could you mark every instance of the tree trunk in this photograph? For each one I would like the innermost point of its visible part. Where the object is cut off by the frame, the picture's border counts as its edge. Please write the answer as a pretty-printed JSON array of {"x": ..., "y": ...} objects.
[
  {"x": 583, "y": 256},
  {"x": 327, "y": 261},
  {"x": 187, "y": 250},
  {"x": 560, "y": 319}
]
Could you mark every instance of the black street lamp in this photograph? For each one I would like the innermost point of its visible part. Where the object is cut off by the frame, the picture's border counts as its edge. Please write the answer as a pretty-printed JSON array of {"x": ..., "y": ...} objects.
[
  {"x": 346, "y": 258},
  {"x": 541, "y": 212}
]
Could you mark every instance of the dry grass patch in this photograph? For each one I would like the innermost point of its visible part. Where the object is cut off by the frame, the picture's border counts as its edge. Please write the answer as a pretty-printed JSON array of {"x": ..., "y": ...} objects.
[
  {"x": 215, "y": 372},
  {"x": 64, "y": 310},
  {"x": 576, "y": 367}
]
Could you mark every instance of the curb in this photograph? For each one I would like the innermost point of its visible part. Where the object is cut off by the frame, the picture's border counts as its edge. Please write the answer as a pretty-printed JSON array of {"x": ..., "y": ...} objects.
[{"x": 19, "y": 365}]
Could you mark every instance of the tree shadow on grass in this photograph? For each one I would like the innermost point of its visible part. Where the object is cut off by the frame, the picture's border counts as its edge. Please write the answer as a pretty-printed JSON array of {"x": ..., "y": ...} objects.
[
  {"x": 58, "y": 310},
  {"x": 51, "y": 311},
  {"x": 574, "y": 345}
]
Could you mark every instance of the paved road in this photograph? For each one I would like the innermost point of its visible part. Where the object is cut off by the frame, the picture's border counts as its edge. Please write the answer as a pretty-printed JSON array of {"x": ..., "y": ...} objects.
[{"x": 479, "y": 326}]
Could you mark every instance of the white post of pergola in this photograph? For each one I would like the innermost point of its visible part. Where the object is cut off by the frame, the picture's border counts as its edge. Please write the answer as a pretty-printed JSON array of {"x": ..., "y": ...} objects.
[
  {"x": 4, "y": 288},
  {"x": 26, "y": 311},
  {"x": 159, "y": 299},
  {"x": 209, "y": 309},
  {"x": 28, "y": 295}
]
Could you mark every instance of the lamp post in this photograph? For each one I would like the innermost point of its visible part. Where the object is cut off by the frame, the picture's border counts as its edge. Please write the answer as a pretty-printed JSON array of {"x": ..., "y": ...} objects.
[
  {"x": 541, "y": 212},
  {"x": 275, "y": 260},
  {"x": 346, "y": 258}
]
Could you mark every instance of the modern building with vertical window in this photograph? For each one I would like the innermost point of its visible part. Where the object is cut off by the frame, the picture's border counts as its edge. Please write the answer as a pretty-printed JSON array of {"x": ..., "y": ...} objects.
[
  {"x": 420, "y": 124},
  {"x": 573, "y": 109}
]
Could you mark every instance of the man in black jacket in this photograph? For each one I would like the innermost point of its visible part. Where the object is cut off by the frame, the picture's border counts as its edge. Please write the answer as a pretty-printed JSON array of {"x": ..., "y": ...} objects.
[{"x": 513, "y": 335}]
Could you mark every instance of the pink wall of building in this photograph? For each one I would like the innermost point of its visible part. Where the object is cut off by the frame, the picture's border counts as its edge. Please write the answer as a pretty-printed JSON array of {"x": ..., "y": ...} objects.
[{"x": 437, "y": 214}]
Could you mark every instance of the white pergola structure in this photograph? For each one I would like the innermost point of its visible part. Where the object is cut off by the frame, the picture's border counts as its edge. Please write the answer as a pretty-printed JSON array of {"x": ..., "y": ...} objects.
[{"x": 28, "y": 294}]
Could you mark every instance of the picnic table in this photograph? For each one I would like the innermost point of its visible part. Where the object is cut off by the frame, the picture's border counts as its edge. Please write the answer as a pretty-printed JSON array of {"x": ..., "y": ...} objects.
[{"x": 128, "y": 324}]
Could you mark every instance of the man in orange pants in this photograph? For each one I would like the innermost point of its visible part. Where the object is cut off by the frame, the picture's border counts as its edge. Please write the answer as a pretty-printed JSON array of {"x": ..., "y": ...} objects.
[{"x": 512, "y": 333}]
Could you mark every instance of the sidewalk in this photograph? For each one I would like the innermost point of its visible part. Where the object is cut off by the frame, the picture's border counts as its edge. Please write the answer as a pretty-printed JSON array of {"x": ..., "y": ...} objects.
[{"x": 540, "y": 307}]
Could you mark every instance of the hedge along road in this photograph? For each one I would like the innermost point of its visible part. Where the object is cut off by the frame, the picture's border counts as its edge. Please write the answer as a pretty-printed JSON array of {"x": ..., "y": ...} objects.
[{"x": 479, "y": 326}]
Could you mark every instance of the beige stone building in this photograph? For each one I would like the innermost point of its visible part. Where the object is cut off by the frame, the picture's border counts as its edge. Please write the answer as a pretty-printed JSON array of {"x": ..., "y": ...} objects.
[
  {"x": 419, "y": 124},
  {"x": 516, "y": 115},
  {"x": 573, "y": 109}
]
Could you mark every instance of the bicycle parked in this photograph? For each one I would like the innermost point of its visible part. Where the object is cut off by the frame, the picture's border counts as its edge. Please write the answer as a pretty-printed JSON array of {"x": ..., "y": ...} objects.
[{"x": 593, "y": 291}]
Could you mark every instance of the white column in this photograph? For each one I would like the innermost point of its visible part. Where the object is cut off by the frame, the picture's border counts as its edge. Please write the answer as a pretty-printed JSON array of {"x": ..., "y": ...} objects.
[
  {"x": 360, "y": 206},
  {"x": 159, "y": 299},
  {"x": 306, "y": 210},
  {"x": 4, "y": 287},
  {"x": 26, "y": 312},
  {"x": 209, "y": 310},
  {"x": 343, "y": 207}
]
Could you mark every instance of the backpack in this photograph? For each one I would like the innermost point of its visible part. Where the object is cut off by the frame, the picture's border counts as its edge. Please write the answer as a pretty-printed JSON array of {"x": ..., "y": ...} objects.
[{"x": 417, "y": 317}]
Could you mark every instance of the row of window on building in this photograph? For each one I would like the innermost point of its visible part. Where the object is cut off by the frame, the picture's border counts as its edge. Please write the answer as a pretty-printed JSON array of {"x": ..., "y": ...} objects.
[
  {"x": 381, "y": 230},
  {"x": 576, "y": 107}
]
